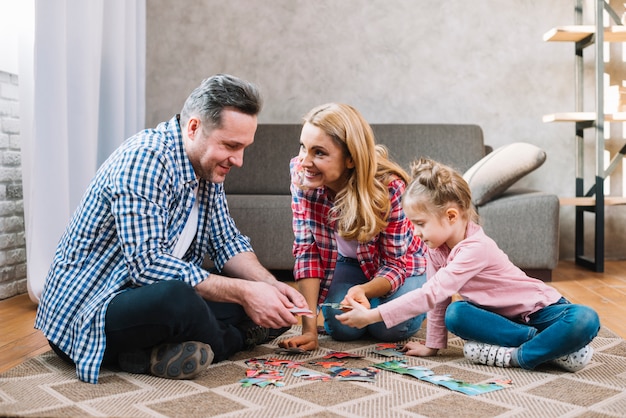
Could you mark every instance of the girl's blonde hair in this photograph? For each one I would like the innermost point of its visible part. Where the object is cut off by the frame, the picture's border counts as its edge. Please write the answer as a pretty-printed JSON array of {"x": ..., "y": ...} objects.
[
  {"x": 363, "y": 206},
  {"x": 435, "y": 186}
]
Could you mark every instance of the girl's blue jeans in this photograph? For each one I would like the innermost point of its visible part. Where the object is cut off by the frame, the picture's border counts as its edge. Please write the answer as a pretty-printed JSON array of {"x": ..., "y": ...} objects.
[
  {"x": 348, "y": 273},
  {"x": 552, "y": 332}
]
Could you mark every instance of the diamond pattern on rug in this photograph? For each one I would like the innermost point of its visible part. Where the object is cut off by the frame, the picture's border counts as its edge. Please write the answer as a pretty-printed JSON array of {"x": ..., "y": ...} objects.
[
  {"x": 467, "y": 407},
  {"x": 206, "y": 404},
  {"x": 317, "y": 392},
  {"x": 585, "y": 394},
  {"x": 108, "y": 385},
  {"x": 46, "y": 386}
]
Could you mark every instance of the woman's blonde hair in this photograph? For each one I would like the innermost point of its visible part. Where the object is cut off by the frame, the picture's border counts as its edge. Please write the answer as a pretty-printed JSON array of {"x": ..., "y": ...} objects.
[
  {"x": 363, "y": 206},
  {"x": 435, "y": 186}
]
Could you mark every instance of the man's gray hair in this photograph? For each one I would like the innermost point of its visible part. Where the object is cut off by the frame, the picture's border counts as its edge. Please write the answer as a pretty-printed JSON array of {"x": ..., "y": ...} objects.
[{"x": 218, "y": 92}]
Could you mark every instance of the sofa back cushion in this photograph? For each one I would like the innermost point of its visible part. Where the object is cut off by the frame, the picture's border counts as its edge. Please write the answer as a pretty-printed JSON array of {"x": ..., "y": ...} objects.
[
  {"x": 456, "y": 145},
  {"x": 265, "y": 168}
]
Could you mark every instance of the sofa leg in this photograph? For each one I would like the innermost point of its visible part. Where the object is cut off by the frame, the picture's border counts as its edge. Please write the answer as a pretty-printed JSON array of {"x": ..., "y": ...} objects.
[{"x": 541, "y": 274}]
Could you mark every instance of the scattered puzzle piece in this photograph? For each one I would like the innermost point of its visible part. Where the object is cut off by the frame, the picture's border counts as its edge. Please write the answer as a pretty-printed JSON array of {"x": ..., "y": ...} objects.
[
  {"x": 447, "y": 381},
  {"x": 341, "y": 354},
  {"x": 291, "y": 350},
  {"x": 311, "y": 375},
  {"x": 328, "y": 364}
]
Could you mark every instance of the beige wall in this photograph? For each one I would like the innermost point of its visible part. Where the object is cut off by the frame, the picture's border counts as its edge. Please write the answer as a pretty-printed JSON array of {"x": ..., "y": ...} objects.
[{"x": 402, "y": 61}]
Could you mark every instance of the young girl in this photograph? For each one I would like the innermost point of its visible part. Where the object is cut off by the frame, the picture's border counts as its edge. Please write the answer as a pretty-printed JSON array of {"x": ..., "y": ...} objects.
[
  {"x": 507, "y": 318},
  {"x": 351, "y": 234}
]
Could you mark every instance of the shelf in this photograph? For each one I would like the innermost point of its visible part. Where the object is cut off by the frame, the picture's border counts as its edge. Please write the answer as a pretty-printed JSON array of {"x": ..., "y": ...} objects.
[
  {"x": 591, "y": 201},
  {"x": 583, "y": 117},
  {"x": 576, "y": 33}
]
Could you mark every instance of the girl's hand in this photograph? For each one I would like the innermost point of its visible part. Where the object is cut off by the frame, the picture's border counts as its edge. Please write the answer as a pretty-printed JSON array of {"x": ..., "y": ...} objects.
[
  {"x": 359, "y": 316},
  {"x": 357, "y": 293},
  {"x": 307, "y": 341},
  {"x": 416, "y": 348}
]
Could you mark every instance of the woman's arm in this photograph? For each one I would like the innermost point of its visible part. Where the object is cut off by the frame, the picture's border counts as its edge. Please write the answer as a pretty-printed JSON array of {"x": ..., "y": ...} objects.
[{"x": 308, "y": 340}]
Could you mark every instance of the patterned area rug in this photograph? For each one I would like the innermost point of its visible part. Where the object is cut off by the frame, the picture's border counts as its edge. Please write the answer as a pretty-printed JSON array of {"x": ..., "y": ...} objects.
[{"x": 47, "y": 387}]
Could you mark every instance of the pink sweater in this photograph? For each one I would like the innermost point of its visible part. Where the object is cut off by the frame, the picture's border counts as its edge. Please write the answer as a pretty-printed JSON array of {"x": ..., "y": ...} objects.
[{"x": 481, "y": 273}]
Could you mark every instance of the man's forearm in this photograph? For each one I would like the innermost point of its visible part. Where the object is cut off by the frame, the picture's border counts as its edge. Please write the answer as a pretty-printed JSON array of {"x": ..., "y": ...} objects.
[
  {"x": 219, "y": 288},
  {"x": 247, "y": 266}
]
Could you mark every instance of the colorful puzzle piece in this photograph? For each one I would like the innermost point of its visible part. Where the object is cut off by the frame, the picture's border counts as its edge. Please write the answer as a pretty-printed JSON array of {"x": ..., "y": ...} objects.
[
  {"x": 447, "y": 381},
  {"x": 341, "y": 354}
]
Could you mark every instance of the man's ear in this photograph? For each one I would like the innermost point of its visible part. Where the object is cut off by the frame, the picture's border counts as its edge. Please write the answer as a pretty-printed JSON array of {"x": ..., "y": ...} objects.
[{"x": 193, "y": 127}]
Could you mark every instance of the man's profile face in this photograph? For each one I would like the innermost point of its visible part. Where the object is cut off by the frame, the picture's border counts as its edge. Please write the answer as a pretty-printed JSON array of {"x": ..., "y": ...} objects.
[{"x": 213, "y": 151}]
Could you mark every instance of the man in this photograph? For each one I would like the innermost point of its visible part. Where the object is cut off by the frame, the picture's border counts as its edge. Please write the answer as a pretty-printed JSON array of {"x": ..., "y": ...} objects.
[{"x": 126, "y": 286}]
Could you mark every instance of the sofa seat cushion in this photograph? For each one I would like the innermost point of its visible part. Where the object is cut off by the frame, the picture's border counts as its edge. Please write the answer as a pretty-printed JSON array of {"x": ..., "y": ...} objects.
[
  {"x": 266, "y": 220},
  {"x": 500, "y": 169}
]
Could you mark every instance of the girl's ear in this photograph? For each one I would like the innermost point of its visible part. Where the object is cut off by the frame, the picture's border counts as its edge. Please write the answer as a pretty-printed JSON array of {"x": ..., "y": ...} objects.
[
  {"x": 349, "y": 162},
  {"x": 453, "y": 215}
]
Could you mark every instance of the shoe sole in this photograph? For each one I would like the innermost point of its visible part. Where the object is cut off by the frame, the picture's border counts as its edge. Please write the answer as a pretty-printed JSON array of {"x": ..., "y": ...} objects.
[{"x": 180, "y": 361}]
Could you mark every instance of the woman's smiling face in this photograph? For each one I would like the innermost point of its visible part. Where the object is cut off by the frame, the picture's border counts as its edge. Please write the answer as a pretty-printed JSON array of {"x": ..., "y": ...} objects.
[{"x": 324, "y": 162}]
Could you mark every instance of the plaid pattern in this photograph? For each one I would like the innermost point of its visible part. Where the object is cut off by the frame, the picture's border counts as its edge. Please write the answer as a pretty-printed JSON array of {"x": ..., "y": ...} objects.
[
  {"x": 122, "y": 235},
  {"x": 394, "y": 254}
]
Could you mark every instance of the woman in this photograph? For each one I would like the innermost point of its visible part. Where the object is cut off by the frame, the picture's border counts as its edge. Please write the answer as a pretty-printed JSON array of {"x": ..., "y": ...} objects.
[{"x": 352, "y": 237}]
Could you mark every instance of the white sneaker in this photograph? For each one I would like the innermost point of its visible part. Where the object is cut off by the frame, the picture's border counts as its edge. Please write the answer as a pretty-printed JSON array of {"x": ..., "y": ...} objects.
[
  {"x": 487, "y": 354},
  {"x": 575, "y": 361}
]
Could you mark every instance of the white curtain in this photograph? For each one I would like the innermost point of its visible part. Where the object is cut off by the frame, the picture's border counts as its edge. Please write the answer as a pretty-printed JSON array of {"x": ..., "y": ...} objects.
[{"x": 83, "y": 93}]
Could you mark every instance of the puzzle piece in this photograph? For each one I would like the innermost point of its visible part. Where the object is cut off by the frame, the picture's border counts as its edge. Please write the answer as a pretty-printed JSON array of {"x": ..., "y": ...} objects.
[
  {"x": 367, "y": 374},
  {"x": 336, "y": 305},
  {"x": 341, "y": 354},
  {"x": 302, "y": 312},
  {"x": 291, "y": 350},
  {"x": 311, "y": 375},
  {"x": 328, "y": 364},
  {"x": 447, "y": 381}
]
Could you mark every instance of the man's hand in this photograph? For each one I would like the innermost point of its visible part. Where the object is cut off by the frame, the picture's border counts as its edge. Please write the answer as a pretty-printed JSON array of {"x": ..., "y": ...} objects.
[
  {"x": 416, "y": 348},
  {"x": 307, "y": 341},
  {"x": 292, "y": 294},
  {"x": 268, "y": 305},
  {"x": 359, "y": 316}
]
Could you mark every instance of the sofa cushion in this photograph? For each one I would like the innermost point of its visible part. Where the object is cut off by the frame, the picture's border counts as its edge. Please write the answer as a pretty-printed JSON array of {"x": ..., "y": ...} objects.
[
  {"x": 456, "y": 145},
  {"x": 265, "y": 169},
  {"x": 500, "y": 169}
]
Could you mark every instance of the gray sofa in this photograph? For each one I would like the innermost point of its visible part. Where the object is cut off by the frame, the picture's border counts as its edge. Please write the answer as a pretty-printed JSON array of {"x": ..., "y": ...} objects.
[{"x": 523, "y": 222}]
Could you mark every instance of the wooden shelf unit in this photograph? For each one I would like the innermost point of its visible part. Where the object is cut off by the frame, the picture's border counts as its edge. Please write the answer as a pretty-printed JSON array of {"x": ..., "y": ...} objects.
[{"x": 591, "y": 200}]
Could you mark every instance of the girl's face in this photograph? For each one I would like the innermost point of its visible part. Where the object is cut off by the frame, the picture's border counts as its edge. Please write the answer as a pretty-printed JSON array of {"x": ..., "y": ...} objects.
[
  {"x": 323, "y": 160},
  {"x": 434, "y": 229}
]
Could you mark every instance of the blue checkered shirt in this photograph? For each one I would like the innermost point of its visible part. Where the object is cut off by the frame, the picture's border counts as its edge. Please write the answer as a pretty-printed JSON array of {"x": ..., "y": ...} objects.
[{"x": 123, "y": 234}]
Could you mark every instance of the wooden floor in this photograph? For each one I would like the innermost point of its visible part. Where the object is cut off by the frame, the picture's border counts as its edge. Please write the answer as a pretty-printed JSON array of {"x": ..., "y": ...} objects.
[{"x": 605, "y": 292}]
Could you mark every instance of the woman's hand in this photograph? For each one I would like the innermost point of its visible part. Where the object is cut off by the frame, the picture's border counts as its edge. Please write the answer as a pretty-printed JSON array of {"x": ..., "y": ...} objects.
[
  {"x": 356, "y": 293},
  {"x": 307, "y": 341},
  {"x": 416, "y": 348},
  {"x": 359, "y": 316}
]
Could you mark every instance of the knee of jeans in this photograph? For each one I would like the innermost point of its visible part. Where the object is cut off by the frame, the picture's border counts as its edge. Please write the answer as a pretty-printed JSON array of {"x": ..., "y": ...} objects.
[
  {"x": 340, "y": 332},
  {"x": 179, "y": 297},
  {"x": 454, "y": 314},
  {"x": 400, "y": 332},
  {"x": 588, "y": 321}
]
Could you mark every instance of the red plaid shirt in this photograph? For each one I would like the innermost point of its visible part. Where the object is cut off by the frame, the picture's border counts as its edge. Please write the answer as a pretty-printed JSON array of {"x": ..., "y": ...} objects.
[{"x": 394, "y": 254}]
